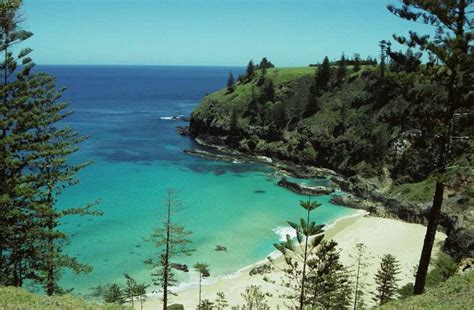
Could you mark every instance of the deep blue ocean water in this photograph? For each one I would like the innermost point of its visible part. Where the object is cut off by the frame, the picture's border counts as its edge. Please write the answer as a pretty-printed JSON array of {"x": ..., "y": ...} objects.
[{"x": 138, "y": 155}]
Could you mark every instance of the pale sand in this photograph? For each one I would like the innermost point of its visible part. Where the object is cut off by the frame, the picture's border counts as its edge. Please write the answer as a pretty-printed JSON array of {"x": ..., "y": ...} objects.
[{"x": 380, "y": 235}]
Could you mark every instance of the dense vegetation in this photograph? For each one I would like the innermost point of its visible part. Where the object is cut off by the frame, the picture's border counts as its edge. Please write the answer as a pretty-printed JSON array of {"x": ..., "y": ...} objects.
[{"x": 362, "y": 125}]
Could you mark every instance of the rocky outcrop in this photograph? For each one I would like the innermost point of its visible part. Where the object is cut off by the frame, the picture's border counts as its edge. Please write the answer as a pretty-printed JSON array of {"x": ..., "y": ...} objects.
[
  {"x": 261, "y": 270},
  {"x": 305, "y": 189},
  {"x": 182, "y": 130},
  {"x": 180, "y": 267},
  {"x": 220, "y": 248}
]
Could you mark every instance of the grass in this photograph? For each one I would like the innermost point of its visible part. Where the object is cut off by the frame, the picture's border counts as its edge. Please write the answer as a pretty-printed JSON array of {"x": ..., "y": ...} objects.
[
  {"x": 222, "y": 101},
  {"x": 13, "y": 298},
  {"x": 416, "y": 192},
  {"x": 456, "y": 293}
]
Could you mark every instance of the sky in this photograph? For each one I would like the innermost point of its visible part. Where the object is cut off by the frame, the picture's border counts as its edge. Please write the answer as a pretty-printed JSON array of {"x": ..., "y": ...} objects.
[{"x": 207, "y": 32}]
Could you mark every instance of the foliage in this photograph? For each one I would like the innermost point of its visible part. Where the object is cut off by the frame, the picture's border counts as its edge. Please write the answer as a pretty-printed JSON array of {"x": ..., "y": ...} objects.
[
  {"x": 254, "y": 298},
  {"x": 203, "y": 270},
  {"x": 113, "y": 294},
  {"x": 452, "y": 47},
  {"x": 359, "y": 273},
  {"x": 221, "y": 301},
  {"x": 297, "y": 255},
  {"x": 328, "y": 280},
  {"x": 134, "y": 290},
  {"x": 171, "y": 240},
  {"x": 250, "y": 71},
  {"x": 230, "y": 83},
  {"x": 341, "y": 69},
  {"x": 386, "y": 279},
  {"x": 34, "y": 166},
  {"x": 323, "y": 76}
]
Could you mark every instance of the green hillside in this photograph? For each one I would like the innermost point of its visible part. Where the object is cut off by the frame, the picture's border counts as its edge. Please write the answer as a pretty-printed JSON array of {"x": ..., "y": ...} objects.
[
  {"x": 378, "y": 132},
  {"x": 456, "y": 293},
  {"x": 12, "y": 298}
]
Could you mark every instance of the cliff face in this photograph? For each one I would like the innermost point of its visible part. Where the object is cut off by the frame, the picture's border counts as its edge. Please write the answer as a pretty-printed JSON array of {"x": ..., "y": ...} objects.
[{"x": 378, "y": 134}]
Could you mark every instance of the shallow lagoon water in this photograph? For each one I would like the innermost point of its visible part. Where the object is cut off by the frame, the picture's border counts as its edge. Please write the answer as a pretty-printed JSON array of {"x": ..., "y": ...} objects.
[{"x": 138, "y": 155}]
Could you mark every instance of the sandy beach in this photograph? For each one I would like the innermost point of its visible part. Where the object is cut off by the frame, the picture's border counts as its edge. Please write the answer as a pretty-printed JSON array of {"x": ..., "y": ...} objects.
[{"x": 380, "y": 235}]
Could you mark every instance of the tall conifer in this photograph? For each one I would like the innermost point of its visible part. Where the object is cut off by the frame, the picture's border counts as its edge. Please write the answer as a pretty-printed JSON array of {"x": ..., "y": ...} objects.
[
  {"x": 171, "y": 240},
  {"x": 452, "y": 47}
]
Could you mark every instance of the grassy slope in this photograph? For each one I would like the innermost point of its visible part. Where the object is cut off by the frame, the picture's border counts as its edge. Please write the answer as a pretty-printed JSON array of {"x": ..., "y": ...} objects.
[
  {"x": 18, "y": 298},
  {"x": 243, "y": 91},
  {"x": 456, "y": 293}
]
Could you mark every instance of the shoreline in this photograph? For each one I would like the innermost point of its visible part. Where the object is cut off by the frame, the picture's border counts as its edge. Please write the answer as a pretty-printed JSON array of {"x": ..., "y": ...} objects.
[
  {"x": 330, "y": 230},
  {"x": 380, "y": 235}
]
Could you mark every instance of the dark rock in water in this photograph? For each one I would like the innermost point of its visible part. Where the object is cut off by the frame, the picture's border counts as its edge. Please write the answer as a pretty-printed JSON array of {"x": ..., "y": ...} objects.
[
  {"x": 262, "y": 269},
  {"x": 180, "y": 267},
  {"x": 305, "y": 189},
  {"x": 220, "y": 248},
  {"x": 183, "y": 130},
  {"x": 259, "y": 191},
  {"x": 176, "y": 307}
]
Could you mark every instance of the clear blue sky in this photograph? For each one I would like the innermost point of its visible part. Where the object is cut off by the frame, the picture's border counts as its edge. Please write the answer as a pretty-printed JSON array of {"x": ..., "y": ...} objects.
[{"x": 206, "y": 32}]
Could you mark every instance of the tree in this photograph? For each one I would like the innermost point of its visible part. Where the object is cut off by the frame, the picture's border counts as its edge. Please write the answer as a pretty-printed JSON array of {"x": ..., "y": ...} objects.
[
  {"x": 114, "y": 295},
  {"x": 328, "y": 279},
  {"x": 16, "y": 226},
  {"x": 356, "y": 67},
  {"x": 171, "y": 240},
  {"x": 129, "y": 290},
  {"x": 230, "y": 83},
  {"x": 359, "y": 272},
  {"x": 265, "y": 64},
  {"x": 34, "y": 166},
  {"x": 250, "y": 70},
  {"x": 452, "y": 47},
  {"x": 134, "y": 290},
  {"x": 203, "y": 270},
  {"x": 268, "y": 92},
  {"x": 308, "y": 236},
  {"x": 221, "y": 301},
  {"x": 341, "y": 69},
  {"x": 234, "y": 120},
  {"x": 323, "y": 76},
  {"x": 312, "y": 104},
  {"x": 254, "y": 298},
  {"x": 386, "y": 279},
  {"x": 55, "y": 173}
]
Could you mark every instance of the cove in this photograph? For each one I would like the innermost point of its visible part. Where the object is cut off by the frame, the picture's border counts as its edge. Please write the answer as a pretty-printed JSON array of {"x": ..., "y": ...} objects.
[{"x": 137, "y": 155}]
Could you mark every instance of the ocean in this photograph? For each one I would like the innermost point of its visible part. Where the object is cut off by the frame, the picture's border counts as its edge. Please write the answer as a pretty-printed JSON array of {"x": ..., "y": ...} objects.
[{"x": 137, "y": 156}]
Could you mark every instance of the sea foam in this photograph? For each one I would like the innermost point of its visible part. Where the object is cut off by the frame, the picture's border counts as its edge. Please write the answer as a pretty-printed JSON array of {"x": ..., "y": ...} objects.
[{"x": 283, "y": 231}]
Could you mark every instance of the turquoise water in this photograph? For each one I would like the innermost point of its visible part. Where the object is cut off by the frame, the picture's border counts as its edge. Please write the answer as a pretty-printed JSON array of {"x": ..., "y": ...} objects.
[{"x": 138, "y": 156}]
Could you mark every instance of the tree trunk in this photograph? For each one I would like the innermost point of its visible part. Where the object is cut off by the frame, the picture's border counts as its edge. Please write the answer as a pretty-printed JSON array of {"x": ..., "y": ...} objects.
[
  {"x": 200, "y": 279},
  {"x": 357, "y": 285},
  {"x": 429, "y": 239},
  {"x": 303, "y": 280},
  {"x": 167, "y": 253},
  {"x": 50, "y": 263}
]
